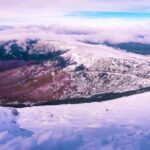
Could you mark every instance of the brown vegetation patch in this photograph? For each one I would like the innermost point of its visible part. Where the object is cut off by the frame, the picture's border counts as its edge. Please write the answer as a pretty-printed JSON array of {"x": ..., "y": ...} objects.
[{"x": 34, "y": 83}]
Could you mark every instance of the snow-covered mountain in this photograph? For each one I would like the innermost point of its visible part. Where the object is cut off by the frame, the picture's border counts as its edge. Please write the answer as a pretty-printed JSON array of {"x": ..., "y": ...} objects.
[
  {"x": 39, "y": 70},
  {"x": 117, "y": 124},
  {"x": 40, "y": 66}
]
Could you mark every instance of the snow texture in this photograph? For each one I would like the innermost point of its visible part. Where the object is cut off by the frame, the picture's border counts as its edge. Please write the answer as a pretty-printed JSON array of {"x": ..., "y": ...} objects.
[{"x": 121, "y": 124}]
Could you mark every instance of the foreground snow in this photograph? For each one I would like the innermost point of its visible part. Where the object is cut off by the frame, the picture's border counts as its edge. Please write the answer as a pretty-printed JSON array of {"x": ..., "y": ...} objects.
[{"x": 119, "y": 124}]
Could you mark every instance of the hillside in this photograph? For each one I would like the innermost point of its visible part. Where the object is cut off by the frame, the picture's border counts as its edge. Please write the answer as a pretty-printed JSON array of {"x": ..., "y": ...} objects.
[{"x": 41, "y": 70}]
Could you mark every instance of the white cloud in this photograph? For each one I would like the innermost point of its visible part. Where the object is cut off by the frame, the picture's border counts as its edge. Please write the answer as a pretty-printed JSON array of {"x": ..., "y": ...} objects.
[
  {"x": 36, "y": 11},
  {"x": 131, "y": 32}
]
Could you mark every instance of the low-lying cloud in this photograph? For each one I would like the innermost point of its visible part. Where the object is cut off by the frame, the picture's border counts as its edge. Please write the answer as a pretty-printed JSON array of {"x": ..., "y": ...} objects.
[{"x": 116, "y": 34}]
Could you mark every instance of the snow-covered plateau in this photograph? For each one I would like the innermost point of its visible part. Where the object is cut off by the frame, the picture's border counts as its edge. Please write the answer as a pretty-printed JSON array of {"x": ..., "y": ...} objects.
[{"x": 120, "y": 124}]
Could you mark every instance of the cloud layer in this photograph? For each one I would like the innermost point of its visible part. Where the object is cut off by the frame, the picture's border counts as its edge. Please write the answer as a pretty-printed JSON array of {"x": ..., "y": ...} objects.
[
  {"x": 116, "y": 34},
  {"x": 47, "y": 11}
]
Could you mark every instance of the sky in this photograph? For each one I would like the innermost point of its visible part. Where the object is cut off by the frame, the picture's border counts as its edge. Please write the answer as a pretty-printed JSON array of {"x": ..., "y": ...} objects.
[{"x": 92, "y": 12}]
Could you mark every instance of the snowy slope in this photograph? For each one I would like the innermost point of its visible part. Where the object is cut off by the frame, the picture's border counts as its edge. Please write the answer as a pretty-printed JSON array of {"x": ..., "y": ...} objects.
[
  {"x": 121, "y": 124},
  {"x": 89, "y": 54},
  {"x": 37, "y": 70}
]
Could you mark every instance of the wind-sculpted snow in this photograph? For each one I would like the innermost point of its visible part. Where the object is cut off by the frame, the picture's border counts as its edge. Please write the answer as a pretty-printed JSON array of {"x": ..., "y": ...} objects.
[{"x": 111, "y": 125}]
